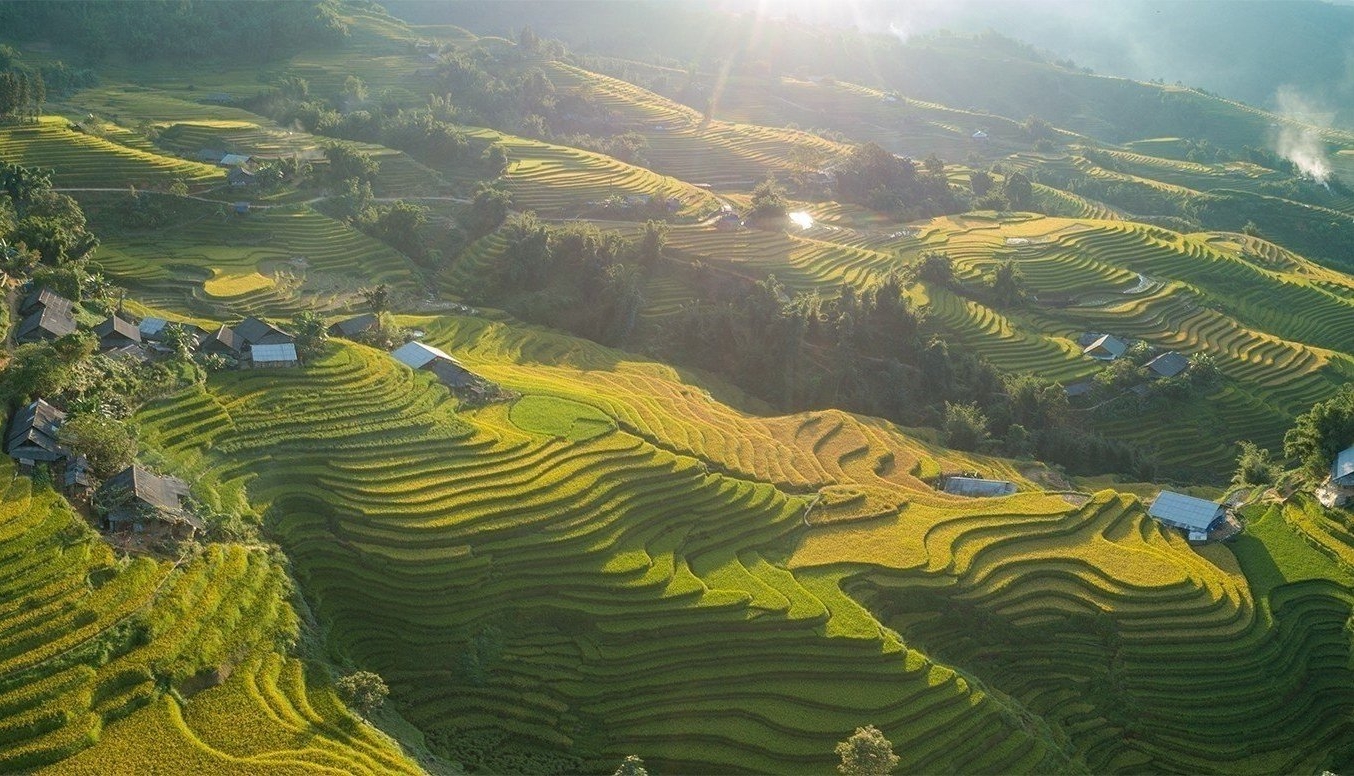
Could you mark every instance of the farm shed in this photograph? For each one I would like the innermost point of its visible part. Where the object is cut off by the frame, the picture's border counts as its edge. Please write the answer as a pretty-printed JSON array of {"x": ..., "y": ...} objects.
[
  {"x": 254, "y": 331},
  {"x": 152, "y": 328},
  {"x": 1195, "y": 515},
  {"x": 1338, "y": 489},
  {"x": 32, "y": 434},
  {"x": 351, "y": 327},
  {"x": 1106, "y": 347},
  {"x": 283, "y": 354},
  {"x": 117, "y": 332},
  {"x": 45, "y": 323},
  {"x": 223, "y": 342},
  {"x": 140, "y": 500},
  {"x": 45, "y": 299},
  {"x": 234, "y": 160},
  {"x": 976, "y": 487},
  {"x": 728, "y": 222},
  {"x": 1168, "y": 364},
  {"x": 416, "y": 355},
  {"x": 79, "y": 480}
]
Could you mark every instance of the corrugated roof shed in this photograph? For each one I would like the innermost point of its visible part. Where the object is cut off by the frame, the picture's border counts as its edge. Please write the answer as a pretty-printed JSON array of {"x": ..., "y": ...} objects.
[
  {"x": 117, "y": 325},
  {"x": 416, "y": 355},
  {"x": 973, "y": 486},
  {"x": 234, "y": 160},
  {"x": 134, "y": 493},
  {"x": 32, "y": 433},
  {"x": 259, "y": 332},
  {"x": 273, "y": 354},
  {"x": 223, "y": 338},
  {"x": 1342, "y": 471},
  {"x": 151, "y": 328},
  {"x": 44, "y": 297},
  {"x": 1107, "y": 345},
  {"x": 50, "y": 321},
  {"x": 1168, "y": 364},
  {"x": 1181, "y": 511},
  {"x": 355, "y": 325}
]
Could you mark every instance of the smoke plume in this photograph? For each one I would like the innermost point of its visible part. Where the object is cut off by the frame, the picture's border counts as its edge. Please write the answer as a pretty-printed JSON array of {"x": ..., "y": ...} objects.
[{"x": 1299, "y": 139}]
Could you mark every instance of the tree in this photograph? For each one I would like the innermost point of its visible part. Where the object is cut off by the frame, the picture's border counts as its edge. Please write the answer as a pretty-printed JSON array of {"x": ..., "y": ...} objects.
[
  {"x": 495, "y": 159},
  {"x": 311, "y": 333},
  {"x": 178, "y": 339},
  {"x": 107, "y": 444},
  {"x": 1019, "y": 191},
  {"x": 866, "y": 753},
  {"x": 363, "y": 691},
  {"x": 651, "y": 242},
  {"x": 1321, "y": 432},
  {"x": 378, "y": 297},
  {"x": 935, "y": 267},
  {"x": 488, "y": 209},
  {"x": 965, "y": 426},
  {"x": 980, "y": 183},
  {"x": 1008, "y": 284},
  {"x": 631, "y": 766},
  {"x": 346, "y": 161},
  {"x": 767, "y": 201},
  {"x": 1255, "y": 466}
]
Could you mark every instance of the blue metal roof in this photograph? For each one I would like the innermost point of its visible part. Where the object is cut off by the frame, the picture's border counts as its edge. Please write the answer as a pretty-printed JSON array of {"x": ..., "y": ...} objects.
[
  {"x": 1183, "y": 511},
  {"x": 1344, "y": 467}
]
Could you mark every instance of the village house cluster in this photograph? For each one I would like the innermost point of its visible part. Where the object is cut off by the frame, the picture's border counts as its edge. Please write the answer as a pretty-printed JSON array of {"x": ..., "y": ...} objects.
[{"x": 137, "y": 501}]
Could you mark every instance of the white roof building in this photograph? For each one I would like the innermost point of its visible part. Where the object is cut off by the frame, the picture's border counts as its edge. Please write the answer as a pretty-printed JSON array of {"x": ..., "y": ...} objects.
[
  {"x": 1342, "y": 471},
  {"x": 1106, "y": 348},
  {"x": 1187, "y": 512},
  {"x": 273, "y": 354},
  {"x": 416, "y": 355},
  {"x": 152, "y": 327},
  {"x": 975, "y": 487},
  {"x": 234, "y": 160}
]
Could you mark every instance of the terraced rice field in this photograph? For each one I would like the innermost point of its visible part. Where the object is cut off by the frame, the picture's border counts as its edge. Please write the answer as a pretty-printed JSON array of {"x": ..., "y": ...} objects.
[
  {"x": 1040, "y": 605},
  {"x": 273, "y": 262},
  {"x": 558, "y": 180},
  {"x": 82, "y": 160},
  {"x": 1279, "y": 326},
  {"x": 650, "y": 588},
  {"x": 647, "y": 539},
  {"x": 90, "y": 641}
]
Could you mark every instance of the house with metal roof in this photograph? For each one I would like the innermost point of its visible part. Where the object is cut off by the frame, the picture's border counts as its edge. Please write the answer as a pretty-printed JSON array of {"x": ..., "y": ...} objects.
[
  {"x": 223, "y": 342},
  {"x": 283, "y": 354},
  {"x": 45, "y": 323},
  {"x": 32, "y": 434},
  {"x": 1167, "y": 365},
  {"x": 117, "y": 332},
  {"x": 255, "y": 331},
  {"x": 152, "y": 328},
  {"x": 1338, "y": 489},
  {"x": 46, "y": 298},
  {"x": 140, "y": 500},
  {"x": 1197, "y": 516},
  {"x": 1342, "y": 470},
  {"x": 351, "y": 327},
  {"x": 235, "y": 160},
  {"x": 449, "y": 371},
  {"x": 1106, "y": 347},
  {"x": 975, "y": 487}
]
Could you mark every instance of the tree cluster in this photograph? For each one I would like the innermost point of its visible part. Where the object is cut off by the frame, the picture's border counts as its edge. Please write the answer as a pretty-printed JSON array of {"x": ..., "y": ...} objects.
[
  {"x": 178, "y": 31},
  {"x": 873, "y": 177}
]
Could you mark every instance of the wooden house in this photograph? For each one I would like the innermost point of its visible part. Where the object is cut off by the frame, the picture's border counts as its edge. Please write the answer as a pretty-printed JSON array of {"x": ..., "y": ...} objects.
[
  {"x": 141, "y": 501},
  {"x": 117, "y": 332},
  {"x": 32, "y": 435}
]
